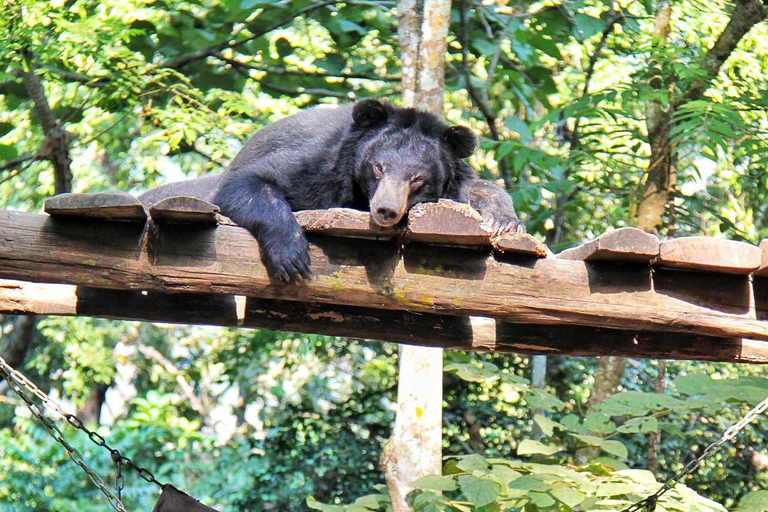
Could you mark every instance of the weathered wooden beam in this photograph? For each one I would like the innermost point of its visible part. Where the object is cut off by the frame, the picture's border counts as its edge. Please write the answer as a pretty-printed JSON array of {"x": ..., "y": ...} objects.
[
  {"x": 378, "y": 275},
  {"x": 446, "y": 331},
  {"x": 709, "y": 254},
  {"x": 622, "y": 245}
]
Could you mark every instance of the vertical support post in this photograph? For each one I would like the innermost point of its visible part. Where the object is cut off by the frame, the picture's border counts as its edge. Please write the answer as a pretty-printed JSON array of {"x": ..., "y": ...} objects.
[{"x": 415, "y": 447}]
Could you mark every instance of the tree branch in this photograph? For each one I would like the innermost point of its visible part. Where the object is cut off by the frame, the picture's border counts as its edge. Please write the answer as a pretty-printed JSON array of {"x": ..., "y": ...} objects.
[
  {"x": 186, "y": 388},
  {"x": 273, "y": 70},
  {"x": 10, "y": 164},
  {"x": 55, "y": 147},
  {"x": 476, "y": 96},
  {"x": 554, "y": 234},
  {"x": 210, "y": 51},
  {"x": 746, "y": 15}
]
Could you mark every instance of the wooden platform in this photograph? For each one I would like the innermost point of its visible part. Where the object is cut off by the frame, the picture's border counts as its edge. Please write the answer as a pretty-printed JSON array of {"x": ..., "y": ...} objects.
[{"x": 434, "y": 281}]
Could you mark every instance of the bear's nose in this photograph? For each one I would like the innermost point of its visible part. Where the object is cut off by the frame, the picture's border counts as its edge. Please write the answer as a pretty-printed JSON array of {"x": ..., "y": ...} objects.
[{"x": 386, "y": 214}]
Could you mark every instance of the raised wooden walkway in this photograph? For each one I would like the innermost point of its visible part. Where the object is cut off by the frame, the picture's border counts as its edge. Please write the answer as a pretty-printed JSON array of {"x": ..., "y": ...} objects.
[{"x": 442, "y": 280}]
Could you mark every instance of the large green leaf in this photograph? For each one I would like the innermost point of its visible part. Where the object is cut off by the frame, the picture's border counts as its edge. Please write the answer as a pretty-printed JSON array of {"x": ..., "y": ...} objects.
[
  {"x": 435, "y": 483},
  {"x": 480, "y": 491},
  {"x": 531, "y": 447}
]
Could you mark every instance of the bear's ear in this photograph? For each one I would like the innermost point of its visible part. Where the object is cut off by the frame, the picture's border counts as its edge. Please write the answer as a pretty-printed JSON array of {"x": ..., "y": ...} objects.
[
  {"x": 460, "y": 140},
  {"x": 369, "y": 113}
]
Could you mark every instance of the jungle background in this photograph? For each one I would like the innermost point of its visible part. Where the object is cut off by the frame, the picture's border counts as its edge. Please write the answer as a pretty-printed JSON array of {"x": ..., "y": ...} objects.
[{"x": 592, "y": 114}]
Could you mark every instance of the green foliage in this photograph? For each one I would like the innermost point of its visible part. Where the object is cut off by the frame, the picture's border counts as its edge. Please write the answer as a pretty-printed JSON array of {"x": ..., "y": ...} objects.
[
  {"x": 544, "y": 476},
  {"x": 156, "y": 91}
]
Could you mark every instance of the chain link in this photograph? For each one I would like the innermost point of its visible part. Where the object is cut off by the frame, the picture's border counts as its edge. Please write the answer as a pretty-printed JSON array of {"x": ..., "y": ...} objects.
[
  {"x": 649, "y": 503},
  {"x": 19, "y": 383}
]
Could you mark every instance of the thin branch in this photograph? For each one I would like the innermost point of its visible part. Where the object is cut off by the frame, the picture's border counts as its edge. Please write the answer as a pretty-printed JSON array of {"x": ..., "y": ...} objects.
[
  {"x": 186, "y": 388},
  {"x": 475, "y": 95},
  {"x": 273, "y": 70},
  {"x": 210, "y": 51},
  {"x": 55, "y": 147},
  {"x": 312, "y": 91},
  {"x": 10, "y": 164},
  {"x": 72, "y": 76},
  {"x": 554, "y": 234},
  {"x": 746, "y": 14}
]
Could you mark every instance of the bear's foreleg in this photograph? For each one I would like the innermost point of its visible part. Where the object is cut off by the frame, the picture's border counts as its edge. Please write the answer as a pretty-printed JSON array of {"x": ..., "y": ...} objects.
[
  {"x": 262, "y": 209},
  {"x": 493, "y": 203}
]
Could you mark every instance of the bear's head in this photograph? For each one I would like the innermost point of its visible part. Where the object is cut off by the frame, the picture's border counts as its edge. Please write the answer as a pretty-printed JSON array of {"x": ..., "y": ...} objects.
[{"x": 406, "y": 157}]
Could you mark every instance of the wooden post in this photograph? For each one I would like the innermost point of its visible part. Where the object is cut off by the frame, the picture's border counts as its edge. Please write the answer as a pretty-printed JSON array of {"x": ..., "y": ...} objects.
[{"x": 414, "y": 449}]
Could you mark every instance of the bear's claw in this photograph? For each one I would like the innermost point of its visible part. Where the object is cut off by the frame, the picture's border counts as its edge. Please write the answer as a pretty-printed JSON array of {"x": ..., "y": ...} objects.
[{"x": 288, "y": 260}]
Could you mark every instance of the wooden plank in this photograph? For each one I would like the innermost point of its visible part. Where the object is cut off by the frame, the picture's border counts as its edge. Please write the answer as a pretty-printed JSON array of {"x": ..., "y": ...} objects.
[
  {"x": 709, "y": 254},
  {"x": 183, "y": 210},
  {"x": 446, "y": 223},
  {"x": 98, "y": 205},
  {"x": 519, "y": 243},
  {"x": 762, "y": 271},
  {"x": 344, "y": 222},
  {"x": 446, "y": 331},
  {"x": 579, "y": 341},
  {"x": 366, "y": 274},
  {"x": 629, "y": 245}
]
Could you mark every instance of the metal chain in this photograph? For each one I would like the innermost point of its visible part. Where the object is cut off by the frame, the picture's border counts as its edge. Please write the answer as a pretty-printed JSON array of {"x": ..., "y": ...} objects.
[
  {"x": 649, "y": 503},
  {"x": 57, "y": 435},
  {"x": 19, "y": 382}
]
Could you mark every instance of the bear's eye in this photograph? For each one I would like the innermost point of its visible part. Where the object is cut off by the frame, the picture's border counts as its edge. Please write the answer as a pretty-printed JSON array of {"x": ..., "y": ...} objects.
[
  {"x": 378, "y": 170},
  {"x": 416, "y": 182}
]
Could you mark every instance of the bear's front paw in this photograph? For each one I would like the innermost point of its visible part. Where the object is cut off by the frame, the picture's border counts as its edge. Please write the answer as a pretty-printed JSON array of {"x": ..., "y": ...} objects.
[
  {"x": 500, "y": 227},
  {"x": 287, "y": 257}
]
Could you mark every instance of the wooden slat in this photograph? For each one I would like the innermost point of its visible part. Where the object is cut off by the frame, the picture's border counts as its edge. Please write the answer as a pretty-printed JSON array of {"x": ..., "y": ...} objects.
[
  {"x": 446, "y": 223},
  {"x": 344, "y": 222},
  {"x": 519, "y": 243},
  {"x": 709, "y": 254},
  {"x": 99, "y": 205},
  {"x": 629, "y": 245},
  {"x": 183, "y": 210},
  {"x": 762, "y": 271},
  {"x": 366, "y": 274},
  {"x": 446, "y": 331}
]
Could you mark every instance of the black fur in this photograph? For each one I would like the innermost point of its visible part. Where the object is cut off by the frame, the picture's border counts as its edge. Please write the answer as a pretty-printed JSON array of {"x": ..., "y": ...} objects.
[{"x": 369, "y": 155}]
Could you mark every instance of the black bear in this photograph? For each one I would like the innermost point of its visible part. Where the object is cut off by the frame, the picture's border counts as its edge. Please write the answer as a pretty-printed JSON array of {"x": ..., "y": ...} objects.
[{"x": 366, "y": 155}]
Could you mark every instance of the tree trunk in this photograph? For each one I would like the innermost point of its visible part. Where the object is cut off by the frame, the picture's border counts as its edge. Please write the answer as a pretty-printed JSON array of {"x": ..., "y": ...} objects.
[{"x": 414, "y": 449}]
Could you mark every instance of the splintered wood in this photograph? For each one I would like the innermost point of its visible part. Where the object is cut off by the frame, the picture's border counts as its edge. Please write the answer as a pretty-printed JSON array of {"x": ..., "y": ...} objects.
[{"x": 397, "y": 284}]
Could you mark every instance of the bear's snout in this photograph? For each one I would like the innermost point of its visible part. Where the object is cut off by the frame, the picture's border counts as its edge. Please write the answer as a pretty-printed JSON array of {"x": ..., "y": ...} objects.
[
  {"x": 390, "y": 201},
  {"x": 386, "y": 214}
]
